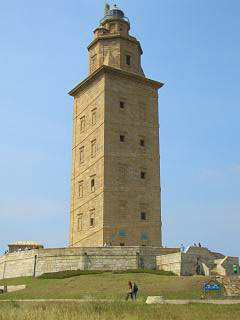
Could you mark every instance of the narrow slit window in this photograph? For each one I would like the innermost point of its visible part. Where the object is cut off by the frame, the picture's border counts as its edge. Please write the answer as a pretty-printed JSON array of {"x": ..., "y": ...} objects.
[
  {"x": 94, "y": 62},
  {"x": 94, "y": 116},
  {"x": 91, "y": 222},
  {"x": 143, "y": 175},
  {"x": 142, "y": 142},
  {"x": 122, "y": 138},
  {"x": 128, "y": 59},
  {"x": 122, "y": 104},
  {"x": 143, "y": 216},
  {"x": 92, "y": 218},
  {"x": 79, "y": 222},
  {"x": 80, "y": 189},
  {"x": 93, "y": 148},
  {"x": 82, "y": 124},
  {"x": 93, "y": 184},
  {"x": 81, "y": 154}
]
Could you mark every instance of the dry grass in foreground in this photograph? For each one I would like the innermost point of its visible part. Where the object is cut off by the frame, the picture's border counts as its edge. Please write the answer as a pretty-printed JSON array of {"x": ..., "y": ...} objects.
[{"x": 115, "y": 311}]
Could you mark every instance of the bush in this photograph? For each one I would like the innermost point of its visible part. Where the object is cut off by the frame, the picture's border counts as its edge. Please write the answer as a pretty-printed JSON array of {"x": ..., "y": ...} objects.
[
  {"x": 68, "y": 274},
  {"x": 75, "y": 273},
  {"x": 157, "y": 272}
]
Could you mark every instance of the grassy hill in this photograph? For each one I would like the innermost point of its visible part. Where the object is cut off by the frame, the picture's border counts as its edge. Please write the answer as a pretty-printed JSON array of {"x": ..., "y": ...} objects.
[
  {"x": 113, "y": 287},
  {"x": 106, "y": 286}
]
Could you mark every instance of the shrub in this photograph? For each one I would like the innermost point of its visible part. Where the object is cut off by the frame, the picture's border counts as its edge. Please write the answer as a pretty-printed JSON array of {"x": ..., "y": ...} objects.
[
  {"x": 75, "y": 273},
  {"x": 68, "y": 274},
  {"x": 157, "y": 272}
]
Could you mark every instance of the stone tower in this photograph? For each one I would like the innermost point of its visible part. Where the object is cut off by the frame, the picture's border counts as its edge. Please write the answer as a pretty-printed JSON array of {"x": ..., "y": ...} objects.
[{"x": 115, "y": 186}]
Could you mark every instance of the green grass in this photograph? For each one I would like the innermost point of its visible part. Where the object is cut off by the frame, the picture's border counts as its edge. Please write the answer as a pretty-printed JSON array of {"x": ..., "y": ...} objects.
[
  {"x": 106, "y": 285},
  {"x": 115, "y": 311},
  {"x": 111, "y": 286}
]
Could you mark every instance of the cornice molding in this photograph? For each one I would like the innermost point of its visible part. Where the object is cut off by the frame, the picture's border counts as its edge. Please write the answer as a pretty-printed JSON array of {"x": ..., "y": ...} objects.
[
  {"x": 115, "y": 36},
  {"x": 107, "y": 69}
]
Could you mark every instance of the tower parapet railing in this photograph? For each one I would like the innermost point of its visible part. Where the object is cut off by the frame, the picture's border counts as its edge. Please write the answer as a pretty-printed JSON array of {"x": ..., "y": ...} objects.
[{"x": 113, "y": 17}]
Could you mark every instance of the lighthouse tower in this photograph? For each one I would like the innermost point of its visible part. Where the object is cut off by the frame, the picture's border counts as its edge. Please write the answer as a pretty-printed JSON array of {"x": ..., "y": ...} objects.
[{"x": 115, "y": 184}]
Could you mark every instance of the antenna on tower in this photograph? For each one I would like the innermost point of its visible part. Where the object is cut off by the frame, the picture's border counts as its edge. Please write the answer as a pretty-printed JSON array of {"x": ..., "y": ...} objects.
[{"x": 106, "y": 7}]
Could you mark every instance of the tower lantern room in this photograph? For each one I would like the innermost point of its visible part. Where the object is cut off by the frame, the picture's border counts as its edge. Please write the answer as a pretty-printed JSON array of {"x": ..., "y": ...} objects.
[{"x": 112, "y": 44}]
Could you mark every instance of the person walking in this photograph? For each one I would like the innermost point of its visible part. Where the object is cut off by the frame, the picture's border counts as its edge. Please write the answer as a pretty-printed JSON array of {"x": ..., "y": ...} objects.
[
  {"x": 134, "y": 291},
  {"x": 182, "y": 249},
  {"x": 130, "y": 291}
]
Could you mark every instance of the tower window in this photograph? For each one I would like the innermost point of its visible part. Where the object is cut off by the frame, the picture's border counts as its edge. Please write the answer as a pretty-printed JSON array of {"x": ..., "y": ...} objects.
[
  {"x": 122, "y": 104},
  {"x": 94, "y": 62},
  {"x": 82, "y": 124},
  {"x": 142, "y": 142},
  {"x": 79, "y": 222},
  {"x": 81, "y": 150},
  {"x": 91, "y": 222},
  {"x": 122, "y": 244},
  {"x": 128, "y": 59},
  {"x": 122, "y": 137},
  {"x": 80, "y": 189},
  {"x": 92, "y": 218},
  {"x": 93, "y": 148},
  {"x": 143, "y": 216},
  {"x": 143, "y": 175},
  {"x": 94, "y": 116},
  {"x": 93, "y": 184}
]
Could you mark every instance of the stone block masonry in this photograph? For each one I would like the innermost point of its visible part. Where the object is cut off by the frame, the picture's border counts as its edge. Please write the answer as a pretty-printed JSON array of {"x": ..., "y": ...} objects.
[
  {"x": 115, "y": 186},
  {"x": 185, "y": 263},
  {"x": 37, "y": 262},
  {"x": 231, "y": 285},
  {"x": 18, "y": 264}
]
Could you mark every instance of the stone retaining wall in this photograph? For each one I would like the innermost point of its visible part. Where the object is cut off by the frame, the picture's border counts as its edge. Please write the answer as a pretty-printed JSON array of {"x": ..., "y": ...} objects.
[
  {"x": 170, "y": 262},
  {"x": 37, "y": 262},
  {"x": 17, "y": 264},
  {"x": 185, "y": 263}
]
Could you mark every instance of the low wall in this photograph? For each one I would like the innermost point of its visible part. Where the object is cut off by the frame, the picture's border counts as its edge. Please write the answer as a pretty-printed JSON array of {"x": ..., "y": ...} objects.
[
  {"x": 189, "y": 264},
  {"x": 185, "y": 264},
  {"x": 37, "y": 262},
  {"x": 54, "y": 260},
  {"x": 17, "y": 264},
  {"x": 170, "y": 262}
]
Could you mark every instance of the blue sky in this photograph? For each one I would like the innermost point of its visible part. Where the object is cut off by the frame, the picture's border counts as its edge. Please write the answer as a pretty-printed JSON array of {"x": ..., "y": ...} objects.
[{"x": 192, "y": 46}]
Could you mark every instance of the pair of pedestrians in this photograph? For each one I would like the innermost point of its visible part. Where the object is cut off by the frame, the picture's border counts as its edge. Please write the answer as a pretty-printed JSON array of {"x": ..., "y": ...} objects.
[{"x": 132, "y": 291}]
